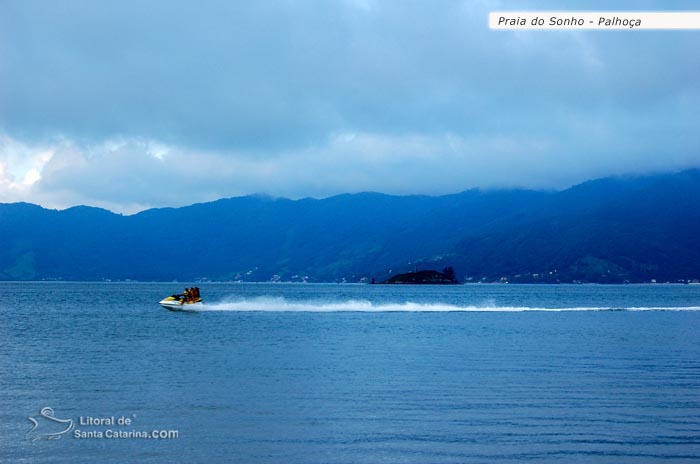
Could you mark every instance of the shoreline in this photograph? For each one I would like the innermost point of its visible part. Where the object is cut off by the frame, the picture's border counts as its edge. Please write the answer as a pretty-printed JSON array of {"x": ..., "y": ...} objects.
[{"x": 232, "y": 282}]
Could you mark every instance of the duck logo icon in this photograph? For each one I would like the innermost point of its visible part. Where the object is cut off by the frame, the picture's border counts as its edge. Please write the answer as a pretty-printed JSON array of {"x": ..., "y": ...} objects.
[{"x": 47, "y": 427}]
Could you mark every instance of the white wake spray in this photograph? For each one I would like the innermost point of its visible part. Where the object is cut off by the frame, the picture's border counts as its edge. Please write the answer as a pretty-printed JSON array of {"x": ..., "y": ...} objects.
[{"x": 279, "y": 304}]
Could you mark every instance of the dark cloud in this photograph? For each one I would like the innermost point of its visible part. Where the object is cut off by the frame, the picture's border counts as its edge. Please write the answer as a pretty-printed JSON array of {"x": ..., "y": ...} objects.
[{"x": 271, "y": 89}]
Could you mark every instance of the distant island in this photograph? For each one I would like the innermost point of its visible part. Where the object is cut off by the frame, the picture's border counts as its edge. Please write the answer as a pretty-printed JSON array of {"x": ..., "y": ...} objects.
[{"x": 427, "y": 277}]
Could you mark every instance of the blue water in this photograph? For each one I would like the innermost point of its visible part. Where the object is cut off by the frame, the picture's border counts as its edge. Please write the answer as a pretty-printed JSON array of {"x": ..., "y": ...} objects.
[{"x": 353, "y": 374}]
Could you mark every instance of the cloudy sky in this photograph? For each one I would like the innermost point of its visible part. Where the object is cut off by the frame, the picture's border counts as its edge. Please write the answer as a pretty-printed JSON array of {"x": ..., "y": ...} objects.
[{"x": 132, "y": 104}]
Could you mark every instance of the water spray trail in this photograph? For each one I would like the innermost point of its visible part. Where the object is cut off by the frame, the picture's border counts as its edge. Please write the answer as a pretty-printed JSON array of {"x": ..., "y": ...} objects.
[{"x": 278, "y": 304}]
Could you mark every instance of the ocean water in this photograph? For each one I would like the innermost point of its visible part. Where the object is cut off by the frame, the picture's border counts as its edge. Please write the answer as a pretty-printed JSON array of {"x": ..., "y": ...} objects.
[{"x": 275, "y": 373}]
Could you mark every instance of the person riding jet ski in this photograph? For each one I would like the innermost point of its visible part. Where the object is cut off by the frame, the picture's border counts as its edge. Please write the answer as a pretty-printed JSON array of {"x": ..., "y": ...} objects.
[{"x": 187, "y": 301}]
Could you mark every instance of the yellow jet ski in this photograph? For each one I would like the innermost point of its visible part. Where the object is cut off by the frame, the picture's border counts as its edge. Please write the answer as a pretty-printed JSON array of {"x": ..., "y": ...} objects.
[{"x": 181, "y": 303}]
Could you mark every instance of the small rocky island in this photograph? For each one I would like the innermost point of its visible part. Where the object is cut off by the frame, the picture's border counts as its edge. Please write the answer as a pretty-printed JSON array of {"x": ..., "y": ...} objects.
[{"x": 429, "y": 277}]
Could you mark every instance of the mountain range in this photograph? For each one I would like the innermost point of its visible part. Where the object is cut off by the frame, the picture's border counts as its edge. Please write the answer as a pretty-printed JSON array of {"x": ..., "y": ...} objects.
[{"x": 610, "y": 230}]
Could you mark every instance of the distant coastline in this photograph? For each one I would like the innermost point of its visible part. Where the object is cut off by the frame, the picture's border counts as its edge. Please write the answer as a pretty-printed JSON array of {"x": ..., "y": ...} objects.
[
  {"x": 614, "y": 230},
  {"x": 363, "y": 281}
]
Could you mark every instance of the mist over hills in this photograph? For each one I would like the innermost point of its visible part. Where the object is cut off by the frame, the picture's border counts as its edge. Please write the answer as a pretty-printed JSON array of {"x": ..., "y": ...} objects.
[{"x": 612, "y": 230}]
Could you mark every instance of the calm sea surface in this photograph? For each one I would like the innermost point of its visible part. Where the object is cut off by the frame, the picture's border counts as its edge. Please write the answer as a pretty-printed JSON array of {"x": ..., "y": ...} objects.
[{"x": 272, "y": 373}]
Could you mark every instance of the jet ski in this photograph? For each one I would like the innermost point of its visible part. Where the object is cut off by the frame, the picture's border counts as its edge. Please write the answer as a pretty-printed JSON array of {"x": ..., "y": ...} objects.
[{"x": 180, "y": 303}]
